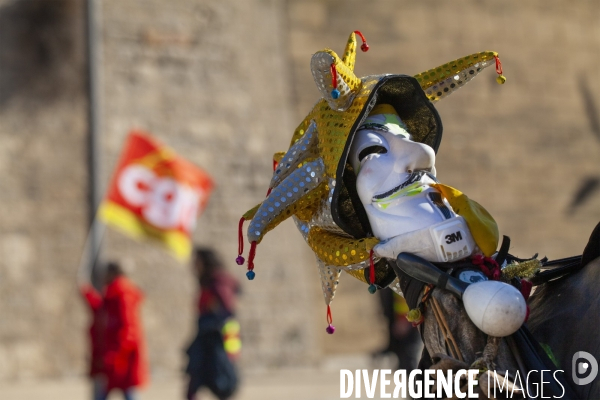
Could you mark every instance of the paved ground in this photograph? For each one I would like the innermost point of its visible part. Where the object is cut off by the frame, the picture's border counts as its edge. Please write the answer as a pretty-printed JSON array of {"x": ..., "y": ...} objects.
[
  {"x": 288, "y": 384},
  {"x": 301, "y": 385},
  {"x": 291, "y": 384}
]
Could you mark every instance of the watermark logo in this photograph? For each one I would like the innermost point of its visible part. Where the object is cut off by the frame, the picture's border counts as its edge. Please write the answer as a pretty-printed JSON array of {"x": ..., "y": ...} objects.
[
  {"x": 416, "y": 383},
  {"x": 585, "y": 368},
  {"x": 463, "y": 383}
]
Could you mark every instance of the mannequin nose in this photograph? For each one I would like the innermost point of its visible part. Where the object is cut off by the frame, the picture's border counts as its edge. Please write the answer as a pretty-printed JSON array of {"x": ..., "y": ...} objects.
[{"x": 418, "y": 157}]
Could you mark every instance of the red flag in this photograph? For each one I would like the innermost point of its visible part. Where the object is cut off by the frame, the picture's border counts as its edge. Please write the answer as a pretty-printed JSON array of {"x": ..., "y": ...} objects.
[{"x": 155, "y": 194}]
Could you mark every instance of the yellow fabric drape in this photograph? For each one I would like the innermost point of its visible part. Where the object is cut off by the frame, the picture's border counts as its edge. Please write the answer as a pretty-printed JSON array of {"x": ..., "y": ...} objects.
[{"x": 481, "y": 224}]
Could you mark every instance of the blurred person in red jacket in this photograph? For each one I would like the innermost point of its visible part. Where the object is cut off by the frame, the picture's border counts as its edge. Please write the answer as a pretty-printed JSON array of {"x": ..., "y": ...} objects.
[
  {"x": 217, "y": 343},
  {"x": 118, "y": 353}
]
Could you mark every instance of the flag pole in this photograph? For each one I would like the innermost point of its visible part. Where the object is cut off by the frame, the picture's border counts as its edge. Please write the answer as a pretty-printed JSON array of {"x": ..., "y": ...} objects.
[
  {"x": 91, "y": 252},
  {"x": 94, "y": 62}
]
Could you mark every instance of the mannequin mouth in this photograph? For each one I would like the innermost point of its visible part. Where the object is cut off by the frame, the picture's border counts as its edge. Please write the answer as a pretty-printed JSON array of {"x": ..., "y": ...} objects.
[{"x": 412, "y": 178}]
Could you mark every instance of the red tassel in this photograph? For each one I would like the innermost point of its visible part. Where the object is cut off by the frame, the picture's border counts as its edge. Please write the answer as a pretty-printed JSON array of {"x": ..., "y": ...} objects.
[
  {"x": 333, "y": 75},
  {"x": 240, "y": 260},
  {"x": 269, "y": 191},
  {"x": 330, "y": 328},
  {"x": 365, "y": 46},
  {"x": 250, "y": 273},
  {"x": 372, "y": 269},
  {"x": 251, "y": 256},
  {"x": 498, "y": 65}
]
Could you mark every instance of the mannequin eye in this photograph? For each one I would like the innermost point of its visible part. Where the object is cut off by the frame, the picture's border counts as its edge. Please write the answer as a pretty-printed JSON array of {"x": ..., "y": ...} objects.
[{"x": 371, "y": 150}]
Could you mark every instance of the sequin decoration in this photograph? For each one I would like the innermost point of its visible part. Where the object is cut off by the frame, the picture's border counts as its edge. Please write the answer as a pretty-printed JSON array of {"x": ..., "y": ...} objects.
[
  {"x": 358, "y": 274},
  {"x": 349, "y": 57},
  {"x": 301, "y": 129},
  {"x": 286, "y": 199},
  {"x": 278, "y": 156},
  {"x": 441, "y": 81},
  {"x": 330, "y": 277},
  {"x": 347, "y": 83},
  {"x": 303, "y": 227},
  {"x": 323, "y": 218},
  {"x": 358, "y": 266},
  {"x": 338, "y": 250},
  {"x": 312, "y": 202},
  {"x": 304, "y": 150},
  {"x": 395, "y": 286},
  {"x": 334, "y": 127}
]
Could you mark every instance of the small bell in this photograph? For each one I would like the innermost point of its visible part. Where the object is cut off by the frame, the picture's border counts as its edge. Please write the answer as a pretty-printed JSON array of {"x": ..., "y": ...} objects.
[{"x": 364, "y": 47}]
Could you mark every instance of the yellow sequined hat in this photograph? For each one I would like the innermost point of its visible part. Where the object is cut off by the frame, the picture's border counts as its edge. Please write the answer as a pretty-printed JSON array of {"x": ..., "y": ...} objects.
[{"x": 313, "y": 183}]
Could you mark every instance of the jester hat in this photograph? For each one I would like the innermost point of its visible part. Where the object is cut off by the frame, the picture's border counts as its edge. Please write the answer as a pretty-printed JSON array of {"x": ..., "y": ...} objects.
[{"x": 315, "y": 185}]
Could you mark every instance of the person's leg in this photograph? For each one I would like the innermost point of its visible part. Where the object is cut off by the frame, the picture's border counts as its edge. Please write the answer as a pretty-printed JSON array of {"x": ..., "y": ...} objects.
[
  {"x": 129, "y": 394},
  {"x": 100, "y": 392},
  {"x": 192, "y": 389}
]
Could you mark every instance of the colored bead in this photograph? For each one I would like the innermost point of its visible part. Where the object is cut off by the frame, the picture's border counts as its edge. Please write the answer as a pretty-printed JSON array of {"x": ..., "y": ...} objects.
[
  {"x": 364, "y": 47},
  {"x": 240, "y": 260},
  {"x": 335, "y": 94},
  {"x": 414, "y": 315},
  {"x": 501, "y": 79},
  {"x": 372, "y": 288},
  {"x": 330, "y": 329},
  {"x": 250, "y": 275}
]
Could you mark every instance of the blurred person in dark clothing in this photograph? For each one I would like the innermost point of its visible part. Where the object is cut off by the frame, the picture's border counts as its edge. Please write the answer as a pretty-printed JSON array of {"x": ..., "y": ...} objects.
[
  {"x": 213, "y": 352},
  {"x": 118, "y": 353},
  {"x": 404, "y": 340}
]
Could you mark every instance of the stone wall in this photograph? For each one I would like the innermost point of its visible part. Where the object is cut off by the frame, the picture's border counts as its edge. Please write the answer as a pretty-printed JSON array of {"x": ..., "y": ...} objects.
[
  {"x": 224, "y": 83},
  {"x": 43, "y": 188}
]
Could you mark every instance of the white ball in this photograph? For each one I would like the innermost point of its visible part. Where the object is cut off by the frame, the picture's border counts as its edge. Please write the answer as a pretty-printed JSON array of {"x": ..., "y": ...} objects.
[{"x": 496, "y": 308}]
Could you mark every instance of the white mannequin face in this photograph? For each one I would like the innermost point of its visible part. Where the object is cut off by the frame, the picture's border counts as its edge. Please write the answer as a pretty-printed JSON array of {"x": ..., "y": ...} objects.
[{"x": 384, "y": 162}]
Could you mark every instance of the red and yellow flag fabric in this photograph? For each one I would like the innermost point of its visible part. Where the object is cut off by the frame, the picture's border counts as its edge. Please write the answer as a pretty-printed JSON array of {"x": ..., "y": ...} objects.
[{"x": 155, "y": 194}]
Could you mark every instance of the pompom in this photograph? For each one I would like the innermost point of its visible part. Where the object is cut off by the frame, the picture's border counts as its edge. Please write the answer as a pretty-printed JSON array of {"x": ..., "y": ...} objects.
[{"x": 330, "y": 329}]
